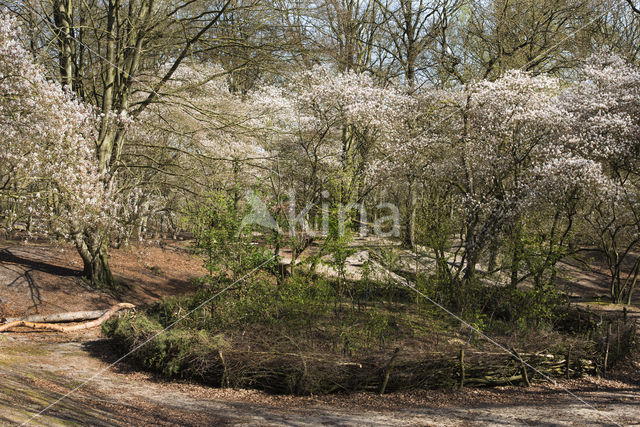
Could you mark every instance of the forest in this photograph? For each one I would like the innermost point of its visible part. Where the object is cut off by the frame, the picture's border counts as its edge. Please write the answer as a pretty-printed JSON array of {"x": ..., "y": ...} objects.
[{"x": 384, "y": 195}]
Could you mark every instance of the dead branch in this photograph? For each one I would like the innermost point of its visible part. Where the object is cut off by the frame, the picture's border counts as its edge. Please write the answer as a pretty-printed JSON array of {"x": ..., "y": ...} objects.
[
  {"x": 69, "y": 316},
  {"x": 53, "y": 327}
]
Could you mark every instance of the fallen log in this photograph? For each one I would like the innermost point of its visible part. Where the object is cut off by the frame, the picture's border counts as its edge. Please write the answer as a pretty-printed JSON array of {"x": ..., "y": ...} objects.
[
  {"x": 70, "y": 316},
  {"x": 53, "y": 327}
]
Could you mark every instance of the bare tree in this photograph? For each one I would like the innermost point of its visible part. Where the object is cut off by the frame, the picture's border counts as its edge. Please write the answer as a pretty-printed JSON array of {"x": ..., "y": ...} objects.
[{"x": 410, "y": 28}]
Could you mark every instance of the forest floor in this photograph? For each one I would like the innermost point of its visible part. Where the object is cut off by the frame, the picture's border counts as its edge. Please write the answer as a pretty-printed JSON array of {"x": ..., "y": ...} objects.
[{"x": 39, "y": 368}]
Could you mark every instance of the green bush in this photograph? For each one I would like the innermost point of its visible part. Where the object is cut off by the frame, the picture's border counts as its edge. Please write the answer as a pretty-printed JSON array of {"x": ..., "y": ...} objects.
[
  {"x": 225, "y": 243},
  {"x": 172, "y": 352}
]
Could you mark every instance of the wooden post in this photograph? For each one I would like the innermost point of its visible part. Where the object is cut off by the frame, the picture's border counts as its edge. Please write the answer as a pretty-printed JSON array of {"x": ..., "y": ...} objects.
[
  {"x": 579, "y": 323},
  {"x": 387, "y": 370},
  {"x": 523, "y": 369},
  {"x": 619, "y": 332},
  {"x": 525, "y": 376},
  {"x": 303, "y": 377},
  {"x": 462, "y": 373},
  {"x": 224, "y": 381},
  {"x": 606, "y": 351}
]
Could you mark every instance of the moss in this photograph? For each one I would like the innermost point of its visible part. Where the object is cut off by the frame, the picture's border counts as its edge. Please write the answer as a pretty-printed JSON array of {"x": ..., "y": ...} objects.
[{"x": 24, "y": 349}]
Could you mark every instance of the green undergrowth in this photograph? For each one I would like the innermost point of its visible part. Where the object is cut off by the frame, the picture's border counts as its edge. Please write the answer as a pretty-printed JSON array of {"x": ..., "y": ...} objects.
[{"x": 301, "y": 336}]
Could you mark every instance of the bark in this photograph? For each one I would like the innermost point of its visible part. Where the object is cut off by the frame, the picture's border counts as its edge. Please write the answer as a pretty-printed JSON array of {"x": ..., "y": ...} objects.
[
  {"x": 70, "y": 316},
  {"x": 494, "y": 249},
  {"x": 62, "y": 15},
  {"x": 410, "y": 216},
  {"x": 516, "y": 254},
  {"x": 472, "y": 262},
  {"x": 53, "y": 327},
  {"x": 95, "y": 257}
]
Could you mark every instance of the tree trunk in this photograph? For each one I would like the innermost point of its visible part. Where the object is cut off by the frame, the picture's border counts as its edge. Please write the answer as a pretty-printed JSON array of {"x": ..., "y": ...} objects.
[
  {"x": 494, "y": 249},
  {"x": 95, "y": 257},
  {"x": 516, "y": 254},
  {"x": 410, "y": 215},
  {"x": 471, "y": 253},
  {"x": 63, "y": 19},
  {"x": 615, "y": 291}
]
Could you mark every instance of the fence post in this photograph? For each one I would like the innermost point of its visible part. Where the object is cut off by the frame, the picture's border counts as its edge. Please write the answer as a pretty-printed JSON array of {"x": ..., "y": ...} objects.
[
  {"x": 462, "y": 373},
  {"x": 619, "y": 346},
  {"x": 523, "y": 369},
  {"x": 606, "y": 351},
  {"x": 387, "y": 370},
  {"x": 224, "y": 380}
]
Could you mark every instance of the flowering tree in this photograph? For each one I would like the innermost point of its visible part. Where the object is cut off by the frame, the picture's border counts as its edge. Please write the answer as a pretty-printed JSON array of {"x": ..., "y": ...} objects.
[
  {"x": 102, "y": 50},
  {"x": 332, "y": 125},
  {"x": 46, "y": 154},
  {"x": 194, "y": 140},
  {"x": 503, "y": 160},
  {"x": 606, "y": 125},
  {"x": 325, "y": 132}
]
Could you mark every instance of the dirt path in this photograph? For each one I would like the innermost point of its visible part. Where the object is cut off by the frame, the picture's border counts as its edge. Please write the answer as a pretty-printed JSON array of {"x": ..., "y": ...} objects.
[{"x": 37, "y": 370}]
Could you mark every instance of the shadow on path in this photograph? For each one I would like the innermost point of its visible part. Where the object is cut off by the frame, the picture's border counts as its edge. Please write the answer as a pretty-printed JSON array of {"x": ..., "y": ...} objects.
[{"x": 6, "y": 256}]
